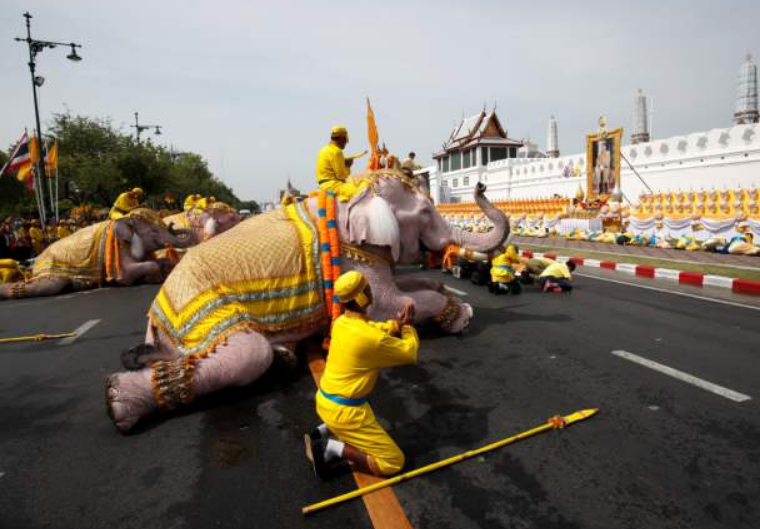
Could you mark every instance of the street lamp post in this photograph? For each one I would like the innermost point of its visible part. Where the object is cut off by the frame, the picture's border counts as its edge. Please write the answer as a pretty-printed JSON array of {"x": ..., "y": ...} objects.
[
  {"x": 35, "y": 47},
  {"x": 140, "y": 128}
]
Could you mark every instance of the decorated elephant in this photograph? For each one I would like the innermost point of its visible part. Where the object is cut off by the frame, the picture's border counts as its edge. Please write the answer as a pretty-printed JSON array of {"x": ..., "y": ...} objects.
[
  {"x": 266, "y": 284},
  {"x": 205, "y": 223},
  {"x": 110, "y": 252}
]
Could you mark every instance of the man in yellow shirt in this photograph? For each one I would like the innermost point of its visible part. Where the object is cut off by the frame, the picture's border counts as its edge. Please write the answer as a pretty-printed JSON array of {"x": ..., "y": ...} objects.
[
  {"x": 62, "y": 231},
  {"x": 557, "y": 277},
  {"x": 191, "y": 201},
  {"x": 125, "y": 203},
  {"x": 333, "y": 169},
  {"x": 359, "y": 348},
  {"x": 504, "y": 271},
  {"x": 38, "y": 237}
]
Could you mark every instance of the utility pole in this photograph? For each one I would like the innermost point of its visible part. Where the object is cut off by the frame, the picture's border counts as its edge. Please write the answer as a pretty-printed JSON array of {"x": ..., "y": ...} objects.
[
  {"x": 140, "y": 128},
  {"x": 35, "y": 47}
]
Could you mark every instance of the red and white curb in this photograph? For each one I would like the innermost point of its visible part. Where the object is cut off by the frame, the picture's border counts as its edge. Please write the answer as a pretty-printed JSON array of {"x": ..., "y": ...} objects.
[{"x": 740, "y": 286}]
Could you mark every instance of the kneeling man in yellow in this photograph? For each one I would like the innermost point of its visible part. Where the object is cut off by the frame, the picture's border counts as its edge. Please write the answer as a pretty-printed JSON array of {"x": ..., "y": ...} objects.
[
  {"x": 556, "y": 277},
  {"x": 125, "y": 203},
  {"x": 333, "y": 169},
  {"x": 359, "y": 348}
]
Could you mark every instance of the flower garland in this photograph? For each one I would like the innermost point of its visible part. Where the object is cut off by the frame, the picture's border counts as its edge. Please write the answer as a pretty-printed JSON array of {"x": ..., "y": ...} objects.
[
  {"x": 113, "y": 259},
  {"x": 329, "y": 245}
]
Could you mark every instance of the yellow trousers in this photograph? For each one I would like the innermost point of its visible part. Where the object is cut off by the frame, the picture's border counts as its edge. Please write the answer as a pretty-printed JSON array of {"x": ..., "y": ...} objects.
[
  {"x": 343, "y": 189},
  {"x": 357, "y": 426}
]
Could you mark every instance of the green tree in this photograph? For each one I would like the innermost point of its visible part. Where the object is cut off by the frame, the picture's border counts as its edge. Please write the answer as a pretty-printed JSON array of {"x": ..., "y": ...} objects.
[{"x": 97, "y": 162}]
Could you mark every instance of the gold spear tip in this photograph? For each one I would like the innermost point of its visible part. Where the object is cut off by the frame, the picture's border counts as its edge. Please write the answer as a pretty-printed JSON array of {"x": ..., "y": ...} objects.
[{"x": 580, "y": 415}]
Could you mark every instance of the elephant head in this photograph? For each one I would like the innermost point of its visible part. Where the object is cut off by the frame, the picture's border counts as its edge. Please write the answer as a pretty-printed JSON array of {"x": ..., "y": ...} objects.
[
  {"x": 218, "y": 218},
  {"x": 397, "y": 212},
  {"x": 146, "y": 233}
]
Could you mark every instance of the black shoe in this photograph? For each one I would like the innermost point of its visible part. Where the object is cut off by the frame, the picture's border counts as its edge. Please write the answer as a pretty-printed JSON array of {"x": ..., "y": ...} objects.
[
  {"x": 315, "y": 453},
  {"x": 315, "y": 434}
]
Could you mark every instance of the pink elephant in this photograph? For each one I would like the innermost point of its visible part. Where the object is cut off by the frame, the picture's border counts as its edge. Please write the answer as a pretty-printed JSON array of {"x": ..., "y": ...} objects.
[
  {"x": 110, "y": 252},
  {"x": 389, "y": 222},
  {"x": 206, "y": 223}
]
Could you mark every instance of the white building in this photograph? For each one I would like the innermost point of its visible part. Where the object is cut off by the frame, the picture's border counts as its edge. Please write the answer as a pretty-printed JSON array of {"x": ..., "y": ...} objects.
[{"x": 717, "y": 158}]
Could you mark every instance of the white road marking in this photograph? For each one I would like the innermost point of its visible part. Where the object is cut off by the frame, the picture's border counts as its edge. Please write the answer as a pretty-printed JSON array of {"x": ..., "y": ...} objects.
[
  {"x": 685, "y": 294},
  {"x": 455, "y": 291},
  {"x": 86, "y": 326},
  {"x": 684, "y": 377}
]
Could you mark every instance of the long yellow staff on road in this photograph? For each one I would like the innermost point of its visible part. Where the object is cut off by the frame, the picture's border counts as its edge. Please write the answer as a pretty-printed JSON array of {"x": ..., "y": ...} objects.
[
  {"x": 37, "y": 337},
  {"x": 553, "y": 423}
]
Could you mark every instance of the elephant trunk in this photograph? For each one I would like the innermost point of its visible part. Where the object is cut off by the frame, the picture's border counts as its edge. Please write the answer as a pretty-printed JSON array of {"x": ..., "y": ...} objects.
[
  {"x": 181, "y": 238},
  {"x": 484, "y": 242}
]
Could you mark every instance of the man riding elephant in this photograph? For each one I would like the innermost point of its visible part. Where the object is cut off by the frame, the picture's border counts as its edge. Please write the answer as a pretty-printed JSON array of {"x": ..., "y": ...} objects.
[
  {"x": 115, "y": 252},
  {"x": 266, "y": 284},
  {"x": 205, "y": 222}
]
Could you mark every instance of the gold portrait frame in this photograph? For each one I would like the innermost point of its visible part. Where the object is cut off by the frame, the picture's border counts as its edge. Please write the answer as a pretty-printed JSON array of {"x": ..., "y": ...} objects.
[{"x": 616, "y": 136}]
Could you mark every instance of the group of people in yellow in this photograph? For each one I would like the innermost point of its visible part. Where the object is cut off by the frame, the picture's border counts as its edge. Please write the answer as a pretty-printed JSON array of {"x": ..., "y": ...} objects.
[
  {"x": 508, "y": 267},
  {"x": 197, "y": 203},
  {"x": 350, "y": 433}
]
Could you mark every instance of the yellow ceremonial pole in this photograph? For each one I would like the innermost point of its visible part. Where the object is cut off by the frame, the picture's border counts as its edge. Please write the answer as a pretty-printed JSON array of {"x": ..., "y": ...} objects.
[
  {"x": 37, "y": 337},
  {"x": 554, "y": 422}
]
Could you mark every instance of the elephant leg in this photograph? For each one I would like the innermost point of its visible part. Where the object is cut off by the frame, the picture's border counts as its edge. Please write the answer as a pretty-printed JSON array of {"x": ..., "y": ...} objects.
[
  {"x": 35, "y": 288},
  {"x": 153, "y": 272},
  {"x": 448, "y": 311},
  {"x": 411, "y": 283},
  {"x": 168, "y": 384}
]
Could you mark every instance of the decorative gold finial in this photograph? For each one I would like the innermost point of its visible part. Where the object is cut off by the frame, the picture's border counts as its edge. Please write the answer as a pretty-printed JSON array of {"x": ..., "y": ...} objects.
[{"x": 580, "y": 195}]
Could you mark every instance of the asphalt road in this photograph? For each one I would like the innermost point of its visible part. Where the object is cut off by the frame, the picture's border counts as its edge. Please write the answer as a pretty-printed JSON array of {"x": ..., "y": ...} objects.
[{"x": 662, "y": 453}]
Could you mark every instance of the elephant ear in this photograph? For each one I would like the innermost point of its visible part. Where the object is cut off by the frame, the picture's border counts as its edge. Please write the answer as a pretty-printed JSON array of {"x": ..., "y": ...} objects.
[
  {"x": 210, "y": 228},
  {"x": 371, "y": 221},
  {"x": 127, "y": 231}
]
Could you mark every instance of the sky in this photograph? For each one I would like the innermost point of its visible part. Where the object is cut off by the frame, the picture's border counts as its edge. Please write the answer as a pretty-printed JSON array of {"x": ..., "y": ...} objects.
[{"x": 255, "y": 86}]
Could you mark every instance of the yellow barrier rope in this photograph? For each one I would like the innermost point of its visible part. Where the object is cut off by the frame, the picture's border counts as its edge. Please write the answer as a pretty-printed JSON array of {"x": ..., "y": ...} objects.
[
  {"x": 37, "y": 337},
  {"x": 552, "y": 423}
]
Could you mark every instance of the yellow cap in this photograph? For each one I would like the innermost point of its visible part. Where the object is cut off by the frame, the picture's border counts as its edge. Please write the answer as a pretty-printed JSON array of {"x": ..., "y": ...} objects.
[
  {"x": 339, "y": 132},
  {"x": 137, "y": 190},
  {"x": 512, "y": 252},
  {"x": 350, "y": 286}
]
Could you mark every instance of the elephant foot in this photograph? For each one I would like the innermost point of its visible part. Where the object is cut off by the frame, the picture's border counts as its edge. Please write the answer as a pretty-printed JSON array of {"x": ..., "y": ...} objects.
[
  {"x": 455, "y": 316},
  {"x": 129, "y": 397}
]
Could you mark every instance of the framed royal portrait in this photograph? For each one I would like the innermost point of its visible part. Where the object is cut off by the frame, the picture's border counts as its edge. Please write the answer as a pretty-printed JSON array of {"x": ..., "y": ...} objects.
[{"x": 602, "y": 163}]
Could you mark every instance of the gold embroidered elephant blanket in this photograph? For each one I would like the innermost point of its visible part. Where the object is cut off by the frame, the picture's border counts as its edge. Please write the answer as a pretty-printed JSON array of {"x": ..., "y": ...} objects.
[
  {"x": 263, "y": 275},
  {"x": 79, "y": 257}
]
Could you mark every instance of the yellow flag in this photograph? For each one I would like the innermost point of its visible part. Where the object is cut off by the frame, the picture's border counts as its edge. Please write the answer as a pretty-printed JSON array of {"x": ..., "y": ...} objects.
[
  {"x": 51, "y": 163},
  {"x": 34, "y": 150},
  {"x": 23, "y": 172}
]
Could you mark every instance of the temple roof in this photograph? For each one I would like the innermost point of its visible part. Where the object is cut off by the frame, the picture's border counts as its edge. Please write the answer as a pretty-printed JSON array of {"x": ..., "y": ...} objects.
[{"x": 480, "y": 129}]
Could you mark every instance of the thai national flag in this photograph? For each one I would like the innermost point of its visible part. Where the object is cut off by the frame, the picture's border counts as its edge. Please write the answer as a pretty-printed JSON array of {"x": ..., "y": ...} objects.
[{"x": 19, "y": 157}]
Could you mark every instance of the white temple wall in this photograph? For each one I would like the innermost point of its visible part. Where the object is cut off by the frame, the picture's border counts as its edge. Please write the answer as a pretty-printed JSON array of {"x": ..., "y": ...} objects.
[{"x": 713, "y": 159}]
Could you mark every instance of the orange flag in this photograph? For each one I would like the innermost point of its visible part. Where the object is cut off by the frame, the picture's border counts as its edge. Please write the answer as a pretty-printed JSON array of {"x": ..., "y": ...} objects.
[
  {"x": 51, "y": 160},
  {"x": 372, "y": 136},
  {"x": 34, "y": 150}
]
